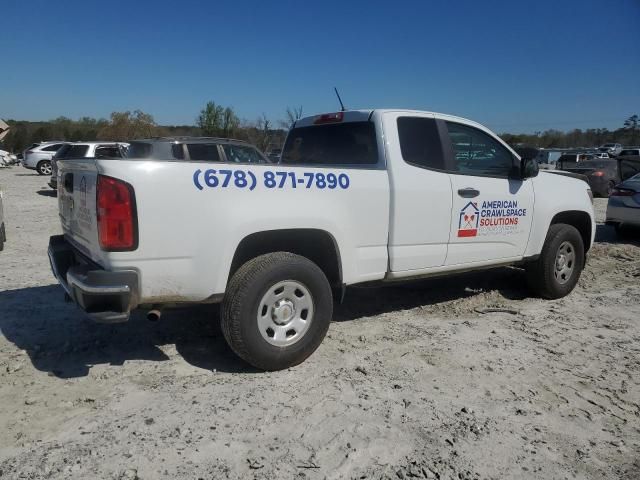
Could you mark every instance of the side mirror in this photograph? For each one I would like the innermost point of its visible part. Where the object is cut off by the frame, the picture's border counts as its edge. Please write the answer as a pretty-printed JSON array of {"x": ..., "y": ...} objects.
[{"x": 529, "y": 168}]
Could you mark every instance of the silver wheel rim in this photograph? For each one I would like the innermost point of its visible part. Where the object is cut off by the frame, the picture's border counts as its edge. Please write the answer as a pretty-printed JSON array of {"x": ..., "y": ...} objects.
[
  {"x": 285, "y": 313},
  {"x": 565, "y": 263},
  {"x": 46, "y": 168}
]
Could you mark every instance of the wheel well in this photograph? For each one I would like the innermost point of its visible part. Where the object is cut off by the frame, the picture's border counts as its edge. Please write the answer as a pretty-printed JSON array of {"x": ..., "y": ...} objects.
[
  {"x": 316, "y": 245},
  {"x": 580, "y": 220}
]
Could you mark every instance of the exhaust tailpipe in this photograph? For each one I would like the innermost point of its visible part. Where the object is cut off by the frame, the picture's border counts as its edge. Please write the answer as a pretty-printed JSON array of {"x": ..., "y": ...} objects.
[{"x": 154, "y": 315}]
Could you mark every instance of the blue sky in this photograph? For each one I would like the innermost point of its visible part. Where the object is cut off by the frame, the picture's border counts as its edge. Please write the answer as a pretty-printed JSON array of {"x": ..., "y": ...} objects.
[{"x": 513, "y": 65}]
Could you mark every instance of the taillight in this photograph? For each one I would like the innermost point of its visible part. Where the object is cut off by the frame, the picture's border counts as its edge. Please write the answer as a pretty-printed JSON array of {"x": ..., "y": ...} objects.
[
  {"x": 622, "y": 192},
  {"x": 598, "y": 173},
  {"x": 117, "y": 217},
  {"x": 329, "y": 118}
]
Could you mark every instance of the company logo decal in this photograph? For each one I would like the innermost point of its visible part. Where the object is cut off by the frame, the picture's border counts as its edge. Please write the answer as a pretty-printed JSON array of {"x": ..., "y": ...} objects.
[
  {"x": 492, "y": 217},
  {"x": 469, "y": 218}
]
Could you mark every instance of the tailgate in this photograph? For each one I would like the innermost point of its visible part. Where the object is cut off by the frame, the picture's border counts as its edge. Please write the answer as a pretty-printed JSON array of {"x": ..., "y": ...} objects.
[{"x": 77, "y": 205}]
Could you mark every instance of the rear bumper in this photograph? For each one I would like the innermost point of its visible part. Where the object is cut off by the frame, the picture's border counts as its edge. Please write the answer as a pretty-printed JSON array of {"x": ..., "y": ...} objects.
[
  {"x": 106, "y": 296},
  {"x": 618, "y": 214}
]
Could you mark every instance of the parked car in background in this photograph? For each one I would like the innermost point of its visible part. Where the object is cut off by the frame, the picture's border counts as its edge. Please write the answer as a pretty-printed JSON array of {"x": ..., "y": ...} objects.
[
  {"x": 571, "y": 159},
  {"x": 629, "y": 165},
  {"x": 635, "y": 151},
  {"x": 547, "y": 159},
  {"x": 602, "y": 173},
  {"x": 3, "y": 230},
  {"x": 623, "y": 208},
  {"x": 602, "y": 155},
  {"x": 38, "y": 156},
  {"x": 84, "y": 150},
  {"x": 7, "y": 158},
  {"x": 612, "y": 149},
  {"x": 208, "y": 149}
]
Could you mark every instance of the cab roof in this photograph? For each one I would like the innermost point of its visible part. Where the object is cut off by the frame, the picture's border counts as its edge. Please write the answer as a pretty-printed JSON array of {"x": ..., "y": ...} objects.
[{"x": 365, "y": 115}]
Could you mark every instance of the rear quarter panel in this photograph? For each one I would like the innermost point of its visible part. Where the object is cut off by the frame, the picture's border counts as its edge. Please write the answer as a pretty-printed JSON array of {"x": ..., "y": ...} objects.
[{"x": 188, "y": 236}]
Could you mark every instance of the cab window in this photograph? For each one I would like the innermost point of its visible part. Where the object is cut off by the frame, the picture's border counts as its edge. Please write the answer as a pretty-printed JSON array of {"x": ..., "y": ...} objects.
[
  {"x": 349, "y": 143},
  {"x": 477, "y": 153},
  {"x": 420, "y": 142}
]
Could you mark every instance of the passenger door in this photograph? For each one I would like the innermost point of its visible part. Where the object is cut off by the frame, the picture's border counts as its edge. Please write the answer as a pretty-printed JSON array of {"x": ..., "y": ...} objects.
[
  {"x": 420, "y": 193},
  {"x": 492, "y": 208}
]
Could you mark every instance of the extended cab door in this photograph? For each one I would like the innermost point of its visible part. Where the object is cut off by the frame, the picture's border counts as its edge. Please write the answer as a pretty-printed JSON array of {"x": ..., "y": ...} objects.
[
  {"x": 492, "y": 208},
  {"x": 420, "y": 192}
]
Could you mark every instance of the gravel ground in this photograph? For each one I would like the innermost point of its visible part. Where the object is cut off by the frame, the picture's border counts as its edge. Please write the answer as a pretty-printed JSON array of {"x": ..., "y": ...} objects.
[{"x": 411, "y": 382}]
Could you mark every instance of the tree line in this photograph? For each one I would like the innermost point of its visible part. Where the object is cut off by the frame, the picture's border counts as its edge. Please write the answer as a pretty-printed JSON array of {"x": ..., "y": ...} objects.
[
  {"x": 222, "y": 121},
  {"x": 213, "y": 121},
  {"x": 627, "y": 134}
]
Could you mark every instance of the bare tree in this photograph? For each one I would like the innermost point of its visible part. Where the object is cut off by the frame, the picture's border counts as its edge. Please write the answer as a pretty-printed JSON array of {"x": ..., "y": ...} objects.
[
  {"x": 292, "y": 115},
  {"x": 264, "y": 133},
  {"x": 230, "y": 123}
]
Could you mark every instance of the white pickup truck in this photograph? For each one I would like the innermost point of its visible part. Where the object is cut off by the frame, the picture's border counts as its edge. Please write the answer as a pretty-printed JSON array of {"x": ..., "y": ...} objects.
[{"x": 357, "y": 196}]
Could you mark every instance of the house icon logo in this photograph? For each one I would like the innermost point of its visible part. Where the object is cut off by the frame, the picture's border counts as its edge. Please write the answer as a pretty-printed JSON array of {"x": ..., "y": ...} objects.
[{"x": 469, "y": 218}]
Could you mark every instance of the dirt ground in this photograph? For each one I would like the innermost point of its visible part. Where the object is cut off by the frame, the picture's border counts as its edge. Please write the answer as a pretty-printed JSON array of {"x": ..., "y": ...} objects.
[{"x": 411, "y": 382}]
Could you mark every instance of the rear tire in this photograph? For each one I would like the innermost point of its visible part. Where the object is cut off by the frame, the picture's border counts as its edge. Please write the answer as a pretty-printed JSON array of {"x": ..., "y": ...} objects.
[
  {"x": 263, "y": 314},
  {"x": 44, "y": 167},
  {"x": 557, "y": 271}
]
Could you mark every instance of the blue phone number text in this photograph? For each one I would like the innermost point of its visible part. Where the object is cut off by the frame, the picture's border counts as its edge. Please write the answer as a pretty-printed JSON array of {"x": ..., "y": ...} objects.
[{"x": 270, "y": 179}]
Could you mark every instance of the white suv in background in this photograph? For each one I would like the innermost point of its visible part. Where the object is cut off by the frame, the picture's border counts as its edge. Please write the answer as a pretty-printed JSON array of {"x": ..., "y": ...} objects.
[
  {"x": 85, "y": 150},
  {"x": 613, "y": 149},
  {"x": 38, "y": 156}
]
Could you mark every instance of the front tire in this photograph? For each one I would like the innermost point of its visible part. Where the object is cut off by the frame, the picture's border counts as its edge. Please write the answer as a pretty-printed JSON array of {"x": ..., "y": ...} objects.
[
  {"x": 557, "y": 271},
  {"x": 276, "y": 310},
  {"x": 44, "y": 167}
]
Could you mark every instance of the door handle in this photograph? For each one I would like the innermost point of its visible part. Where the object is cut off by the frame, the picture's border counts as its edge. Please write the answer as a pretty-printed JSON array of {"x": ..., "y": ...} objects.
[{"x": 468, "y": 192}]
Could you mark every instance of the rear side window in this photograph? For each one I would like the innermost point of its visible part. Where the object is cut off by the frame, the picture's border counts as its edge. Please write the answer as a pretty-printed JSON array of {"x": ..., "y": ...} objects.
[
  {"x": 62, "y": 151},
  {"x": 420, "y": 142},
  {"x": 139, "y": 150},
  {"x": 108, "y": 152},
  {"x": 177, "y": 149},
  {"x": 52, "y": 148},
  {"x": 72, "y": 151},
  {"x": 203, "y": 151},
  {"x": 630, "y": 152},
  {"x": 242, "y": 154},
  {"x": 351, "y": 143}
]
